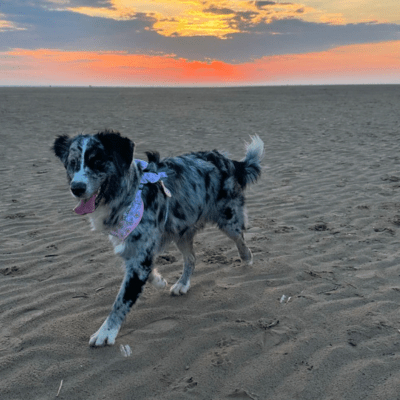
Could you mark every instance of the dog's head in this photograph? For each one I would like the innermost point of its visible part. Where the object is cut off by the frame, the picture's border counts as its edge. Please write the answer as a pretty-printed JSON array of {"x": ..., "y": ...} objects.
[{"x": 92, "y": 161}]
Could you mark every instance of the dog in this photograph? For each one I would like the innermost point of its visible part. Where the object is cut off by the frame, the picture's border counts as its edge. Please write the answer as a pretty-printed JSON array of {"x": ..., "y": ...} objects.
[{"x": 144, "y": 206}]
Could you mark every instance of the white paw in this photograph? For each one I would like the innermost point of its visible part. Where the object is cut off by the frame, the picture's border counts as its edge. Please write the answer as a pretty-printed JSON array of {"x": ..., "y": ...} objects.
[
  {"x": 180, "y": 288},
  {"x": 157, "y": 280},
  {"x": 104, "y": 336},
  {"x": 249, "y": 262},
  {"x": 249, "y": 258}
]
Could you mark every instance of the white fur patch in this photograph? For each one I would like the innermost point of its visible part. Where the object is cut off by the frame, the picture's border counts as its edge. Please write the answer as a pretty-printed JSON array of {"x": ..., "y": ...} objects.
[
  {"x": 105, "y": 335},
  {"x": 157, "y": 280},
  {"x": 119, "y": 245},
  {"x": 97, "y": 217},
  {"x": 80, "y": 176},
  {"x": 180, "y": 288}
]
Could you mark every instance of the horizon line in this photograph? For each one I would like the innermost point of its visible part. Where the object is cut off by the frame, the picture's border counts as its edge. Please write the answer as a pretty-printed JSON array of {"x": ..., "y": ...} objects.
[{"x": 196, "y": 86}]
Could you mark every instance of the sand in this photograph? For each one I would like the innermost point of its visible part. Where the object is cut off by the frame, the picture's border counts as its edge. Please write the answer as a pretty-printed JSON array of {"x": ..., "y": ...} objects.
[{"x": 324, "y": 228}]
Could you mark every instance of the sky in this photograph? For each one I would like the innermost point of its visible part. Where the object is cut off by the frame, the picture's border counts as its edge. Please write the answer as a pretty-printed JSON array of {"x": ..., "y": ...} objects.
[{"x": 198, "y": 42}]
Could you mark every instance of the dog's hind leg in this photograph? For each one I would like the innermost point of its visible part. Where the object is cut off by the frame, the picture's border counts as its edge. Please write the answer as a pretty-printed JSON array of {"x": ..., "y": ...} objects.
[
  {"x": 233, "y": 226},
  {"x": 185, "y": 245},
  {"x": 155, "y": 278},
  {"x": 244, "y": 251}
]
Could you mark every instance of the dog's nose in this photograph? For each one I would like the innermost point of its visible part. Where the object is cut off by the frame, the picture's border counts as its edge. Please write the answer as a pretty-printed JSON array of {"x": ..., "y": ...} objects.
[{"x": 78, "y": 189}]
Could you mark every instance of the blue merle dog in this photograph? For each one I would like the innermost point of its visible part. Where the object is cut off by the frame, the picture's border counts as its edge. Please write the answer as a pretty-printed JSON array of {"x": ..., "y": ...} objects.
[{"x": 189, "y": 191}]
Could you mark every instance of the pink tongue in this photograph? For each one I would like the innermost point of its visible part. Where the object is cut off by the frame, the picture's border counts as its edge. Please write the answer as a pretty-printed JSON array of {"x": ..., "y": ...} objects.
[{"x": 86, "y": 208}]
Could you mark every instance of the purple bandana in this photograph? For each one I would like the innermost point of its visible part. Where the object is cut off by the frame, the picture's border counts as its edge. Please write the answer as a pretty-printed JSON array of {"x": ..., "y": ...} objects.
[
  {"x": 133, "y": 215},
  {"x": 131, "y": 218}
]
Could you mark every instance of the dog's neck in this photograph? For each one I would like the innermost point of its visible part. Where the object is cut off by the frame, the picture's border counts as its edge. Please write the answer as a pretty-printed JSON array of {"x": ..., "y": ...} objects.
[{"x": 114, "y": 198}]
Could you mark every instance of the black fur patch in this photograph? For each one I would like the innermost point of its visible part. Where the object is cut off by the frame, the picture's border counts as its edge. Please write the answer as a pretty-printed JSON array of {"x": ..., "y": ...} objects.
[
  {"x": 61, "y": 147},
  {"x": 95, "y": 159},
  {"x": 161, "y": 215},
  {"x": 135, "y": 236},
  {"x": 240, "y": 173},
  {"x": 228, "y": 213},
  {"x": 217, "y": 159},
  {"x": 183, "y": 231},
  {"x": 133, "y": 289},
  {"x": 153, "y": 156},
  {"x": 149, "y": 195},
  {"x": 109, "y": 189},
  {"x": 119, "y": 149},
  {"x": 222, "y": 193},
  {"x": 207, "y": 181},
  {"x": 177, "y": 211},
  {"x": 178, "y": 169},
  {"x": 148, "y": 262}
]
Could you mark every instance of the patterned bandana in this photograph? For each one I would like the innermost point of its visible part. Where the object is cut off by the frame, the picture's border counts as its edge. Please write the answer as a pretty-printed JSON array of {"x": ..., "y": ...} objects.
[{"x": 133, "y": 215}]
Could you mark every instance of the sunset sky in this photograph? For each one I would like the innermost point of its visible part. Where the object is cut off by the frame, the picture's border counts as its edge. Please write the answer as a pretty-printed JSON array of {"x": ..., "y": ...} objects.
[{"x": 198, "y": 42}]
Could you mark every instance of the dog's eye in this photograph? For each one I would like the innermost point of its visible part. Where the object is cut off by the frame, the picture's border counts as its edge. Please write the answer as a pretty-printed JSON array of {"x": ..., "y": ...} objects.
[
  {"x": 72, "y": 164},
  {"x": 95, "y": 161}
]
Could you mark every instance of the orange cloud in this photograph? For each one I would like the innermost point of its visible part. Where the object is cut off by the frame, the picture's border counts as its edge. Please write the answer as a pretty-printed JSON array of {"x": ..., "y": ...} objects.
[
  {"x": 367, "y": 63},
  {"x": 224, "y": 17},
  {"x": 198, "y": 17}
]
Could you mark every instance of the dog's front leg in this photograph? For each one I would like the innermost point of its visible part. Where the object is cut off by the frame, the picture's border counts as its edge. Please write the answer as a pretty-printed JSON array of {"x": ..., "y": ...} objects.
[{"x": 134, "y": 280}]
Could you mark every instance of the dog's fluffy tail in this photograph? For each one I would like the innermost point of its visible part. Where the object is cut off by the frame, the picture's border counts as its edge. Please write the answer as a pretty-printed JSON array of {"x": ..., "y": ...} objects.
[{"x": 248, "y": 170}]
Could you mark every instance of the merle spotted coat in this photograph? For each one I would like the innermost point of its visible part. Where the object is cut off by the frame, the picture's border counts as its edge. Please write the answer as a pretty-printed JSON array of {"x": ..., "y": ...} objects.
[{"x": 206, "y": 187}]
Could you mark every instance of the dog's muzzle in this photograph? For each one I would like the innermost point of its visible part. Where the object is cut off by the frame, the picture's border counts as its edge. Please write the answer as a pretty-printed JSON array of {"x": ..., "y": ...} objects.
[{"x": 78, "y": 189}]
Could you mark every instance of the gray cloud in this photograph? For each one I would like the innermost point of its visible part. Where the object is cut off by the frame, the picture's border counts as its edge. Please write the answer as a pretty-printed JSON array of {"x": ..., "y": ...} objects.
[
  {"x": 290, "y": 36},
  {"x": 261, "y": 4},
  {"x": 219, "y": 11},
  {"x": 76, "y": 3},
  {"x": 74, "y": 32}
]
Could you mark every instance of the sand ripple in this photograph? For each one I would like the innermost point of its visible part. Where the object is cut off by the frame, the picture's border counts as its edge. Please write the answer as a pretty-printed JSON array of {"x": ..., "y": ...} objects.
[{"x": 323, "y": 228}]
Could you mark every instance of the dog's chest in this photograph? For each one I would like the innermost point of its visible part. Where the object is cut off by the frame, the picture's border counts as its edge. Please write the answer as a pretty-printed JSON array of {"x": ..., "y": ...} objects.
[
  {"x": 97, "y": 218},
  {"x": 119, "y": 245}
]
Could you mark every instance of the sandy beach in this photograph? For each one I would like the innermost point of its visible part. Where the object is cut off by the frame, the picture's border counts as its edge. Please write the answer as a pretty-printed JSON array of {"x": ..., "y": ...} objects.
[{"x": 316, "y": 317}]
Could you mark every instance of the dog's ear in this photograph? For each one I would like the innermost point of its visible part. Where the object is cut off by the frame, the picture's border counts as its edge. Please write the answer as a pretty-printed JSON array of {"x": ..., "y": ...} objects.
[
  {"x": 61, "y": 147},
  {"x": 118, "y": 147}
]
